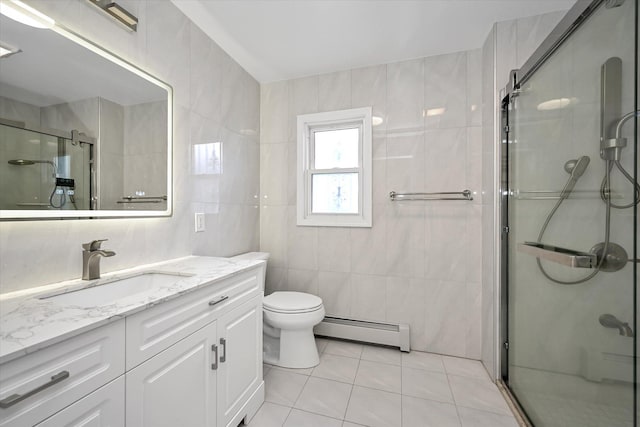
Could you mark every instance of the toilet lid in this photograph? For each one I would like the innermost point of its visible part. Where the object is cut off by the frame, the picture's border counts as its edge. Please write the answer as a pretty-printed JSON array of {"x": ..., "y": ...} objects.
[{"x": 291, "y": 302}]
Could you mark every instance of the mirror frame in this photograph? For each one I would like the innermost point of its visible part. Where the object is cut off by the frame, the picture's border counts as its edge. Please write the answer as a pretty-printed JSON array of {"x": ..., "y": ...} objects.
[{"x": 23, "y": 214}]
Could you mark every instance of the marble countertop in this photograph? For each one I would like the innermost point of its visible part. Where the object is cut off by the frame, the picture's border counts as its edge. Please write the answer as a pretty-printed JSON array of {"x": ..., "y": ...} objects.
[{"x": 29, "y": 323}]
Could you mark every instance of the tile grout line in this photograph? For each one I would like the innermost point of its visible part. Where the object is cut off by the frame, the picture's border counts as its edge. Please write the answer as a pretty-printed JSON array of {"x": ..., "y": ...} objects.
[
  {"x": 401, "y": 394},
  {"x": 287, "y": 417},
  {"x": 297, "y": 397},
  {"x": 346, "y": 409},
  {"x": 455, "y": 403}
]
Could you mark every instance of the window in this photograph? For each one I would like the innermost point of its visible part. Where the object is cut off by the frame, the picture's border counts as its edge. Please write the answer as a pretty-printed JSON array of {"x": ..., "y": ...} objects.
[{"x": 334, "y": 168}]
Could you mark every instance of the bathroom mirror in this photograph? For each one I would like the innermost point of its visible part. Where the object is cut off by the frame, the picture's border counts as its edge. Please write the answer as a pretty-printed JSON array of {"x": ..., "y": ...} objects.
[{"x": 83, "y": 133}]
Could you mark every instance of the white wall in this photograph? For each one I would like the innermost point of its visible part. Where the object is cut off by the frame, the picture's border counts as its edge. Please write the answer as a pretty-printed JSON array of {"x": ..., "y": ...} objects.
[
  {"x": 215, "y": 101},
  {"x": 420, "y": 262}
]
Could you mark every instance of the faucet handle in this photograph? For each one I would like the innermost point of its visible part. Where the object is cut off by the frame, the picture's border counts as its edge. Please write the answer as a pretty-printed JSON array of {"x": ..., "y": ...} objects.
[{"x": 94, "y": 245}]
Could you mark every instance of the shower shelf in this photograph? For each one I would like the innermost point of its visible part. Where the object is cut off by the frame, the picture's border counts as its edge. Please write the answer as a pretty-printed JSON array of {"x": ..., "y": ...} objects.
[
  {"x": 450, "y": 195},
  {"x": 555, "y": 194},
  {"x": 564, "y": 256}
]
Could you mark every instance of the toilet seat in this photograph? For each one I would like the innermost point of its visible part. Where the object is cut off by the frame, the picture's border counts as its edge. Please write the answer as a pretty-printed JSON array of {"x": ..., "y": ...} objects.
[{"x": 291, "y": 302}]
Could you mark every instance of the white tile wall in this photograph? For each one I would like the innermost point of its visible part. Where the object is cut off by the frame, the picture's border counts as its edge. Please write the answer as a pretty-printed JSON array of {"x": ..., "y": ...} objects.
[
  {"x": 419, "y": 263},
  {"x": 215, "y": 101}
]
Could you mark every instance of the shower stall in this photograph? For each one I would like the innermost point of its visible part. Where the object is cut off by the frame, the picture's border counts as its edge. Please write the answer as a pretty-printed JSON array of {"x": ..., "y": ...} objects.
[{"x": 570, "y": 199}]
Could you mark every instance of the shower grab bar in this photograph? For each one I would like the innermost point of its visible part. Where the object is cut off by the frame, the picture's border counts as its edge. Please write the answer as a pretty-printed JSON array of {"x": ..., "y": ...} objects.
[
  {"x": 447, "y": 195},
  {"x": 564, "y": 256}
]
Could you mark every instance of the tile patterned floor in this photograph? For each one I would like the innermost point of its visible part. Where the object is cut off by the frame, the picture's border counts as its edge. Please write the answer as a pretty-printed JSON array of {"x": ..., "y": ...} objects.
[{"x": 359, "y": 385}]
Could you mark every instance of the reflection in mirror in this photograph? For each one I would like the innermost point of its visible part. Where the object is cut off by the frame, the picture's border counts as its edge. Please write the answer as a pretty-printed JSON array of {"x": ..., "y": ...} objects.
[{"x": 82, "y": 132}]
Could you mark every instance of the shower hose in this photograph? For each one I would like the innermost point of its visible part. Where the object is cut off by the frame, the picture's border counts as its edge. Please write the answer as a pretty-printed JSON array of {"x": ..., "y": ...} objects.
[{"x": 605, "y": 195}]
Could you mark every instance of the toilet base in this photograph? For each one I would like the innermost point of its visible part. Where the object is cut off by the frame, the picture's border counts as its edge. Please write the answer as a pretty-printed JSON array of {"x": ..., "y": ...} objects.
[{"x": 297, "y": 350}]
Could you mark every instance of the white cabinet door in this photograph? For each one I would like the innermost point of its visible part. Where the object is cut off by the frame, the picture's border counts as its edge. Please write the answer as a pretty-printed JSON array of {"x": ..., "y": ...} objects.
[
  {"x": 240, "y": 373},
  {"x": 102, "y": 408},
  {"x": 177, "y": 387}
]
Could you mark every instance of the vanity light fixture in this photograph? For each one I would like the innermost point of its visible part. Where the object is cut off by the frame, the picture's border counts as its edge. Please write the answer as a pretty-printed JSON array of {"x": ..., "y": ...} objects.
[
  {"x": 6, "y": 50},
  {"x": 118, "y": 12},
  {"x": 25, "y": 14}
]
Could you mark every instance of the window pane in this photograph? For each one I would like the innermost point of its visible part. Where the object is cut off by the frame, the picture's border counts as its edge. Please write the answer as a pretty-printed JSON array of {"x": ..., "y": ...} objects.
[
  {"x": 207, "y": 158},
  {"x": 336, "y": 148},
  {"x": 334, "y": 193}
]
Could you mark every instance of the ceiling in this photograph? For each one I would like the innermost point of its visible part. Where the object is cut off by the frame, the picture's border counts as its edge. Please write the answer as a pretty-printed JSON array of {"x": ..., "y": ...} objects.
[{"x": 284, "y": 39}]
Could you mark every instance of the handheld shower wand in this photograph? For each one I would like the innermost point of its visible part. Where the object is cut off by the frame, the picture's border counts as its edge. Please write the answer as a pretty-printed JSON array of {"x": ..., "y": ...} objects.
[{"x": 575, "y": 168}]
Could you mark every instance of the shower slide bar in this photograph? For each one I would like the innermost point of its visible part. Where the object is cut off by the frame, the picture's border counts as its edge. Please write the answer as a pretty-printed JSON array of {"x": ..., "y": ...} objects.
[{"x": 447, "y": 195}]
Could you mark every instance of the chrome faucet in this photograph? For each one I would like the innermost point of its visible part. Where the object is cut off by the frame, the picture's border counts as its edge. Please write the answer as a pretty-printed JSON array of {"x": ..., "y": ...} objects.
[
  {"x": 611, "y": 321},
  {"x": 91, "y": 259}
]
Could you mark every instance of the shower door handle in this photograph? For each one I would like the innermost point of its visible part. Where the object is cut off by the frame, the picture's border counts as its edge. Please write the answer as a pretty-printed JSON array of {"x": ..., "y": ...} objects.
[{"x": 569, "y": 257}]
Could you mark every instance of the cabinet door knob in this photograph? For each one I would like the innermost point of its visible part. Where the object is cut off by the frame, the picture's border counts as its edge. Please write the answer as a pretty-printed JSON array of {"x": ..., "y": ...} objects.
[
  {"x": 223, "y": 343},
  {"x": 214, "y": 365},
  {"x": 16, "y": 398},
  {"x": 218, "y": 300}
]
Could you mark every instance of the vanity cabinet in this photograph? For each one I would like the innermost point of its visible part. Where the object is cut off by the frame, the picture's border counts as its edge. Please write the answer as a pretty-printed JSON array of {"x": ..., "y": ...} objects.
[
  {"x": 204, "y": 379},
  {"x": 177, "y": 387},
  {"x": 240, "y": 360},
  {"x": 104, "y": 407},
  {"x": 192, "y": 361},
  {"x": 42, "y": 383}
]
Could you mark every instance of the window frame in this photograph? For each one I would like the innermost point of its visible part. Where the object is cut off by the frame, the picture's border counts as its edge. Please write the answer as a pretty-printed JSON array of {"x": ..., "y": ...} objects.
[{"x": 307, "y": 125}]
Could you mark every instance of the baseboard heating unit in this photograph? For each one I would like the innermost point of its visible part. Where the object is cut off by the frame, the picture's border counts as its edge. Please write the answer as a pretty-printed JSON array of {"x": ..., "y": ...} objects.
[{"x": 370, "y": 332}]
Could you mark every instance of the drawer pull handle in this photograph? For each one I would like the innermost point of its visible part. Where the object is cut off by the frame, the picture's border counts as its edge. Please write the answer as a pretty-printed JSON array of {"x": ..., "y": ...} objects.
[
  {"x": 16, "y": 398},
  {"x": 218, "y": 301},
  {"x": 214, "y": 365},
  {"x": 223, "y": 343}
]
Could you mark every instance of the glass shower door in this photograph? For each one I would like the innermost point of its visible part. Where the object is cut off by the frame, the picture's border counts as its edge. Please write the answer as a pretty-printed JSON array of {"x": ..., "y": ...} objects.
[{"x": 572, "y": 195}]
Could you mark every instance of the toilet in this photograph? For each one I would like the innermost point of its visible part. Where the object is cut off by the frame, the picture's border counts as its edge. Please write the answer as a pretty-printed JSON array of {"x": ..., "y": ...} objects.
[{"x": 288, "y": 321}]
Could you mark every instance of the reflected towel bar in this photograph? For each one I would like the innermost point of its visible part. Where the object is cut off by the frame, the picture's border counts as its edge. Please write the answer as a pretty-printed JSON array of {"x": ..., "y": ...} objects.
[
  {"x": 447, "y": 195},
  {"x": 143, "y": 199}
]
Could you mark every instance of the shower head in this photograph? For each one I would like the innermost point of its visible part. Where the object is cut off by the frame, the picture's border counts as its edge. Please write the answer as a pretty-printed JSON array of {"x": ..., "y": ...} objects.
[
  {"x": 575, "y": 168},
  {"x": 21, "y": 162},
  {"x": 26, "y": 162}
]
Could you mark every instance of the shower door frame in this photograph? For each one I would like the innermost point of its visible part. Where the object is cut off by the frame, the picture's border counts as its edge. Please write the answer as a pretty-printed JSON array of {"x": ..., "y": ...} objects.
[{"x": 572, "y": 20}]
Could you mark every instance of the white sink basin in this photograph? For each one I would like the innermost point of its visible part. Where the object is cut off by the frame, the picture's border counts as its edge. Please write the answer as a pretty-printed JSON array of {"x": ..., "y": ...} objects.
[{"x": 111, "y": 292}]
